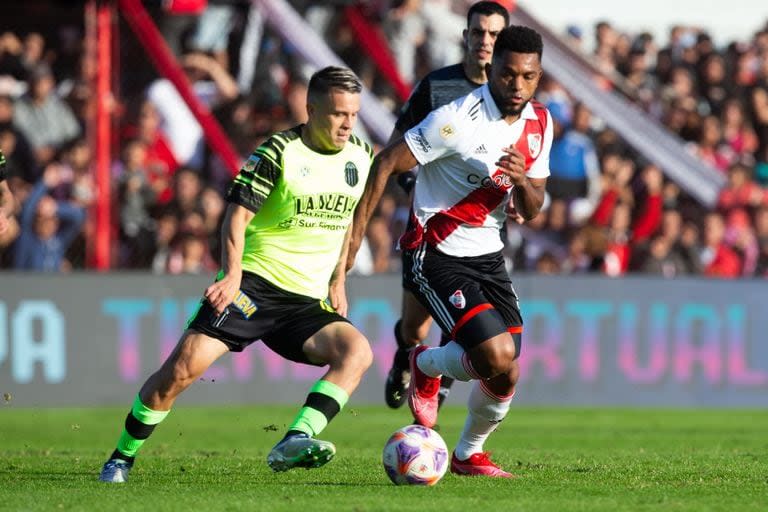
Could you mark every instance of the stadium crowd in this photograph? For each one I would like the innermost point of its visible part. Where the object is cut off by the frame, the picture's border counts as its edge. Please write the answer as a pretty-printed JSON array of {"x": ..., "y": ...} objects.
[{"x": 609, "y": 211}]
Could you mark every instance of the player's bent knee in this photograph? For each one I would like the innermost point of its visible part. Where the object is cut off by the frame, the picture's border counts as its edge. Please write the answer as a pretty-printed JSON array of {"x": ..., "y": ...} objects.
[
  {"x": 364, "y": 354},
  {"x": 498, "y": 359},
  {"x": 356, "y": 352}
]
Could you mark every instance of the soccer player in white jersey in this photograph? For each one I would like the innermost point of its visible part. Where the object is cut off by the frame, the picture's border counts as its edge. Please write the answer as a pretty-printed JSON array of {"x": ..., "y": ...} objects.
[
  {"x": 484, "y": 22},
  {"x": 478, "y": 155}
]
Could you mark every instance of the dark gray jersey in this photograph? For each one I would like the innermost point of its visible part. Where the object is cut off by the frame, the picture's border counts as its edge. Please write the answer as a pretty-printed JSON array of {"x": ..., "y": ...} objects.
[{"x": 438, "y": 88}]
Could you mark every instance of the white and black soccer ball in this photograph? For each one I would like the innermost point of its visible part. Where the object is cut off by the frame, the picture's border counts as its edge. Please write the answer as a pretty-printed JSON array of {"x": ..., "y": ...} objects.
[{"x": 415, "y": 455}]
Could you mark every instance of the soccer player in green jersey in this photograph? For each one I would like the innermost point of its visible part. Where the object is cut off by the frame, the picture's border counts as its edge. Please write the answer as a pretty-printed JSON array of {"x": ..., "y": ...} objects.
[
  {"x": 5, "y": 195},
  {"x": 285, "y": 239}
]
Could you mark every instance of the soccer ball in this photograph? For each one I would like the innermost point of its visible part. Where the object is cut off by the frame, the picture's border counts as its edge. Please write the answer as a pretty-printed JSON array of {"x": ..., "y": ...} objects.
[{"x": 415, "y": 455}]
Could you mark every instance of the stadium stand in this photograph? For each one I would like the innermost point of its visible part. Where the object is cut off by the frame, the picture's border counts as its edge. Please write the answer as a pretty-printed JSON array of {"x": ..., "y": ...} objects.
[{"x": 626, "y": 213}]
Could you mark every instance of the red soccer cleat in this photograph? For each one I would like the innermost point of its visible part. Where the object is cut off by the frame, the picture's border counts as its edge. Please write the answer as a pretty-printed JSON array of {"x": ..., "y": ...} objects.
[
  {"x": 478, "y": 464},
  {"x": 422, "y": 392}
]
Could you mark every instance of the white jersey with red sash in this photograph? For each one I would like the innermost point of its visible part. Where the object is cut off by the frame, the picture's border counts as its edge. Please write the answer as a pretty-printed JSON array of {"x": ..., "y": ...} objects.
[{"x": 460, "y": 195}]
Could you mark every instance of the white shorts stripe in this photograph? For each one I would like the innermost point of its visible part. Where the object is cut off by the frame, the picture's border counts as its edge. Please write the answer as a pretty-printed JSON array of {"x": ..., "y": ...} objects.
[{"x": 427, "y": 291}]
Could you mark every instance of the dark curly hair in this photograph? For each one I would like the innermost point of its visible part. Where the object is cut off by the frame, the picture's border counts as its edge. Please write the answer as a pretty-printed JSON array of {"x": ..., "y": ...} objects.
[{"x": 518, "y": 39}]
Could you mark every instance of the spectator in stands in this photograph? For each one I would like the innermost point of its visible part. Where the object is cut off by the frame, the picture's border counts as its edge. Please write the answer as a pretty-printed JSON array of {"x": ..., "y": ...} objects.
[
  {"x": 575, "y": 168},
  {"x": 709, "y": 146},
  {"x": 165, "y": 232},
  {"x": 761, "y": 234},
  {"x": 713, "y": 84},
  {"x": 738, "y": 134},
  {"x": 212, "y": 85},
  {"x": 718, "y": 259},
  {"x": 187, "y": 186},
  {"x": 662, "y": 259},
  {"x": 740, "y": 235},
  {"x": 618, "y": 250},
  {"x": 44, "y": 119},
  {"x": 160, "y": 163},
  {"x": 77, "y": 181},
  {"x": 12, "y": 71},
  {"x": 212, "y": 207},
  {"x": 643, "y": 84},
  {"x": 740, "y": 191},
  {"x": 136, "y": 197},
  {"x": 47, "y": 227},
  {"x": 190, "y": 254},
  {"x": 21, "y": 160}
]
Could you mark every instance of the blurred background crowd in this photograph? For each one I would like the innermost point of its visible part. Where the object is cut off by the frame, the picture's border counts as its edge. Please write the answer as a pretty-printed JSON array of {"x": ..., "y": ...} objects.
[{"x": 609, "y": 210}]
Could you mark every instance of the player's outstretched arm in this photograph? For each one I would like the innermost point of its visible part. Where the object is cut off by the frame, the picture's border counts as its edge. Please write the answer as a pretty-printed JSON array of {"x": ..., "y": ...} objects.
[
  {"x": 221, "y": 293},
  {"x": 395, "y": 158}
]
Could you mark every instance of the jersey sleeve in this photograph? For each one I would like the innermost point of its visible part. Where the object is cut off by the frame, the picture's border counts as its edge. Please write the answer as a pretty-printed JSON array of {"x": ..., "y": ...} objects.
[
  {"x": 415, "y": 109},
  {"x": 540, "y": 166},
  {"x": 256, "y": 178},
  {"x": 434, "y": 137}
]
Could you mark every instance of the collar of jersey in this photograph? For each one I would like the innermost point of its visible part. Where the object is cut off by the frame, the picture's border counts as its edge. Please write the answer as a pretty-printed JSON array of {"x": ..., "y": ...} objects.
[{"x": 494, "y": 112}]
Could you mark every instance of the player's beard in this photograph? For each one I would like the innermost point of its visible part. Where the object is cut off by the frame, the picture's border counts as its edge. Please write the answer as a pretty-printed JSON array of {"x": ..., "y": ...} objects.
[{"x": 514, "y": 111}]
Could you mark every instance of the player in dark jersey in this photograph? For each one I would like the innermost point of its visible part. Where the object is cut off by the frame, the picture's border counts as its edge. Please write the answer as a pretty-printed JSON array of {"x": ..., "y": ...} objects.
[
  {"x": 484, "y": 21},
  {"x": 5, "y": 195},
  {"x": 284, "y": 245}
]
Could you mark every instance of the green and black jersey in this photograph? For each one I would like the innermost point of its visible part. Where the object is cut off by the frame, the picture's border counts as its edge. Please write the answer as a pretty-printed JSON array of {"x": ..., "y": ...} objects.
[{"x": 304, "y": 202}]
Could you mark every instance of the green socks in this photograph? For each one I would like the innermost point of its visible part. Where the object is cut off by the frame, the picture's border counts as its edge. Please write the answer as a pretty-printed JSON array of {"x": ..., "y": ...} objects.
[
  {"x": 324, "y": 401},
  {"x": 139, "y": 424}
]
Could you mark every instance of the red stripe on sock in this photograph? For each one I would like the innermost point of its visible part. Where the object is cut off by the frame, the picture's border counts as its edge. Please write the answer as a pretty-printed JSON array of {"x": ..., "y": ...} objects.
[
  {"x": 467, "y": 364},
  {"x": 491, "y": 394}
]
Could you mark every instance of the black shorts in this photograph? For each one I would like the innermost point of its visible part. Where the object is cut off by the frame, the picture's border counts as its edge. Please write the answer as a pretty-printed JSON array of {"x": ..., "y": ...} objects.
[
  {"x": 262, "y": 311},
  {"x": 471, "y": 298}
]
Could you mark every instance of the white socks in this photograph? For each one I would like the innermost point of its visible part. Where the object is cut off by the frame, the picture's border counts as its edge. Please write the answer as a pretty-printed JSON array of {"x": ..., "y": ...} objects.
[
  {"x": 450, "y": 360},
  {"x": 486, "y": 410}
]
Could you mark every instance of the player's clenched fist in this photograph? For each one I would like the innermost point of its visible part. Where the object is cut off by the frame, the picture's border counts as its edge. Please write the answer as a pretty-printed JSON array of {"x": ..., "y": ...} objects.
[{"x": 512, "y": 163}]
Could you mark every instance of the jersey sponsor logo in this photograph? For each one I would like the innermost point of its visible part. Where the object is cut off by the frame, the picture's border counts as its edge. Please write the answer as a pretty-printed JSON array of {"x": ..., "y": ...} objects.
[
  {"x": 422, "y": 141},
  {"x": 244, "y": 304},
  {"x": 534, "y": 144},
  {"x": 304, "y": 172},
  {"x": 457, "y": 300},
  {"x": 501, "y": 181},
  {"x": 447, "y": 131},
  {"x": 329, "y": 205},
  {"x": 350, "y": 174},
  {"x": 250, "y": 164}
]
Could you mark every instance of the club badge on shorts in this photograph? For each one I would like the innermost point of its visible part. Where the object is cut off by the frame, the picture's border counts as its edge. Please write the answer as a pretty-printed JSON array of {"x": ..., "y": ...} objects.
[{"x": 458, "y": 300}]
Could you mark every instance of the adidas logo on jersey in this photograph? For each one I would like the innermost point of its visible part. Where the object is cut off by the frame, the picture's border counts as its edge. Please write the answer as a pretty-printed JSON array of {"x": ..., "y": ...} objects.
[{"x": 480, "y": 150}]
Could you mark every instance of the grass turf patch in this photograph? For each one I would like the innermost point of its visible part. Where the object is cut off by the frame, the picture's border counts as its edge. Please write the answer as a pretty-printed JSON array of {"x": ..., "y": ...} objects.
[{"x": 214, "y": 458}]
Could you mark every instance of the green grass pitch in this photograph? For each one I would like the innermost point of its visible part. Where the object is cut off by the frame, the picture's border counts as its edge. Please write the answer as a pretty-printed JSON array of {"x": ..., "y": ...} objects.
[{"x": 213, "y": 458}]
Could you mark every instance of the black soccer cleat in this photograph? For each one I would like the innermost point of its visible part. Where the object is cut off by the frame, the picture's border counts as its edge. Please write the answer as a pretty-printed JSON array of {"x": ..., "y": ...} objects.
[{"x": 398, "y": 380}]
